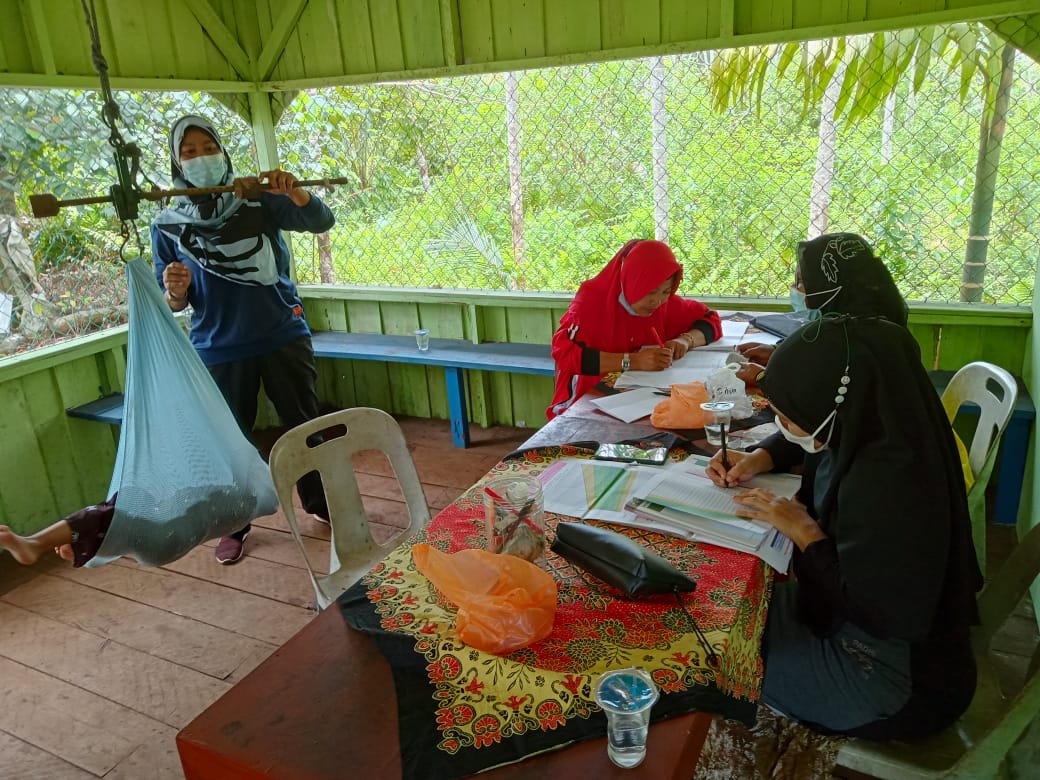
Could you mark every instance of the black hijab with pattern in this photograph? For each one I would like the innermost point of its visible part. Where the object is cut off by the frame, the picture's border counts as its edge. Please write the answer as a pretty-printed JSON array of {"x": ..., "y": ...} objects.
[
  {"x": 894, "y": 503},
  {"x": 842, "y": 275}
]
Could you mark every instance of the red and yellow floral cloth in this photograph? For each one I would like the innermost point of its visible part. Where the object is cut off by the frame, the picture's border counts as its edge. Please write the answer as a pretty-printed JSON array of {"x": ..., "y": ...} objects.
[{"x": 482, "y": 700}]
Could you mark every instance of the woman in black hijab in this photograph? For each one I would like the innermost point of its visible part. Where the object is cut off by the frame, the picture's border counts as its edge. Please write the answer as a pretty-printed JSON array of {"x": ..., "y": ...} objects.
[
  {"x": 836, "y": 273},
  {"x": 870, "y": 636}
]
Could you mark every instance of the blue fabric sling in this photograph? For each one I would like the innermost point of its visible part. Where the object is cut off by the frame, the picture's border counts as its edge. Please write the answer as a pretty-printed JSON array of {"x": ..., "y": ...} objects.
[{"x": 184, "y": 471}]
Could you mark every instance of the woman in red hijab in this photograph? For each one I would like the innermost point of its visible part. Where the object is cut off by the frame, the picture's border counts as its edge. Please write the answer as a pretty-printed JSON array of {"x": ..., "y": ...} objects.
[{"x": 624, "y": 308}]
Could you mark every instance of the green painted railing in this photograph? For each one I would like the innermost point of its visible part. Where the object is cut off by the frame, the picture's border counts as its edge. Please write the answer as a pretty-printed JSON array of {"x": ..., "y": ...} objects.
[{"x": 53, "y": 464}]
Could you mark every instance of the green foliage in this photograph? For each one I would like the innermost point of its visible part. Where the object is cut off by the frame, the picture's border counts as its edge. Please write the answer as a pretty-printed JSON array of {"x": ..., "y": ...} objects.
[{"x": 429, "y": 199}]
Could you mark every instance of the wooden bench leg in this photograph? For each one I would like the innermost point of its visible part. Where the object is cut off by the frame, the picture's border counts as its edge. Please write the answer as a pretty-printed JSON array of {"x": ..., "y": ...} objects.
[
  {"x": 1014, "y": 447},
  {"x": 457, "y": 406}
]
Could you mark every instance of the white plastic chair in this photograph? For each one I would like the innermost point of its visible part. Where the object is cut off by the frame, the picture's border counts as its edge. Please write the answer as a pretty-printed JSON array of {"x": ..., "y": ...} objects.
[
  {"x": 994, "y": 391},
  {"x": 974, "y": 747},
  {"x": 353, "y": 550}
]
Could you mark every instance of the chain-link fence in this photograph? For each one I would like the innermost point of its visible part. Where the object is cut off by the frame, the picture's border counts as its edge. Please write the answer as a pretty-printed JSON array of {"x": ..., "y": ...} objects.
[
  {"x": 62, "y": 277},
  {"x": 531, "y": 180}
]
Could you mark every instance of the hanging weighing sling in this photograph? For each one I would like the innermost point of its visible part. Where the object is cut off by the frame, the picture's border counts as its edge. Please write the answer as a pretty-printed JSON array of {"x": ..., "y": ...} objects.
[{"x": 184, "y": 471}]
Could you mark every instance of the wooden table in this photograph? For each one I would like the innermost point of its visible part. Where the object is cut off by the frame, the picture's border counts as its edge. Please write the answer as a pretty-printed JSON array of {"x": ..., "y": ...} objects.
[{"x": 323, "y": 707}]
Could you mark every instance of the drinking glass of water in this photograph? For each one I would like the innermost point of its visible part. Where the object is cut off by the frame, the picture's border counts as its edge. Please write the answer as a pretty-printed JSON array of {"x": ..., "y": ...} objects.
[
  {"x": 422, "y": 339},
  {"x": 626, "y": 696},
  {"x": 717, "y": 418}
]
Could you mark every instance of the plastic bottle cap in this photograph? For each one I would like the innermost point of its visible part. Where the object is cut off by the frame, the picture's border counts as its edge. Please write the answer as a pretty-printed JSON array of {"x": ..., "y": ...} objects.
[{"x": 626, "y": 690}]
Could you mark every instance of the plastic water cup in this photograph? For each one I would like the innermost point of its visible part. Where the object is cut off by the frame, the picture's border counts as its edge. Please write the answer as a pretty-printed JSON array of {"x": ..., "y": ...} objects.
[
  {"x": 717, "y": 417},
  {"x": 514, "y": 512},
  {"x": 422, "y": 339},
  {"x": 626, "y": 696}
]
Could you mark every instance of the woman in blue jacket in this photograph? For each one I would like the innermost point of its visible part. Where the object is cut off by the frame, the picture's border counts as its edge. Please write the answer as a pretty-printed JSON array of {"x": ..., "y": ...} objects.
[{"x": 226, "y": 257}]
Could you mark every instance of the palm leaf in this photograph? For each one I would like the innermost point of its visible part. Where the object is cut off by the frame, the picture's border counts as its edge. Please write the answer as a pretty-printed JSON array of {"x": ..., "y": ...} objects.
[
  {"x": 923, "y": 56},
  {"x": 465, "y": 246}
]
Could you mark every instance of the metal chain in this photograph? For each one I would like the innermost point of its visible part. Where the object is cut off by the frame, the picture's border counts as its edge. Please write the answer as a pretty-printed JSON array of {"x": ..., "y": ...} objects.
[{"x": 111, "y": 117}]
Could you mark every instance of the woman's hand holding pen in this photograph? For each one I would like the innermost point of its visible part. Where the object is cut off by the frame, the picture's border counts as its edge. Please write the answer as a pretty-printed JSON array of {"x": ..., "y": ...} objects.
[
  {"x": 662, "y": 355},
  {"x": 787, "y": 515},
  {"x": 742, "y": 467},
  {"x": 651, "y": 359}
]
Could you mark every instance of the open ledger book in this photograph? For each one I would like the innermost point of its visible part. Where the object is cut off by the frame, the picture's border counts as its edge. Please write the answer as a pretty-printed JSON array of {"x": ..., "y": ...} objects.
[
  {"x": 678, "y": 500},
  {"x": 684, "y": 502},
  {"x": 595, "y": 489}
]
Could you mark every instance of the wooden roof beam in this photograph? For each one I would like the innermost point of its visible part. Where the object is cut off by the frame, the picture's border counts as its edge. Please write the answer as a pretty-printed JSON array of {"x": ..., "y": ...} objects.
[
  {"x": 275, "y": 43},
  {"x": 43, "y": 53},
  {"x": 222, "y": 38}
]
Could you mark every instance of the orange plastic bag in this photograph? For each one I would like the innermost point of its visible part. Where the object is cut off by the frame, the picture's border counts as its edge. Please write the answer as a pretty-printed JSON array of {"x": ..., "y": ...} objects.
[
  {"x": 504, "y": 602},
  {"x": 682, "y": 409}
]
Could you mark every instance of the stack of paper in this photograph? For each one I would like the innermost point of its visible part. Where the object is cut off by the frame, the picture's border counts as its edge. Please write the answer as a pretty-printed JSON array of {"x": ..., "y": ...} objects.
[
  {"x": 594, "y": 489},
  {"x": 631, "y": 405},
  {"x": 678, "y": 500},
  {"x": 684, "y": 502},
  {"x": 732, "y": 334},
  {"x": 695, "y": 366}
]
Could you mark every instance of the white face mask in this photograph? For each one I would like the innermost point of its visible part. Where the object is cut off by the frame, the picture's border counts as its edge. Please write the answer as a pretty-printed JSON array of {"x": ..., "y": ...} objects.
[
  {"x": 205, "y": 171},
  {"x": 808, "y": 441}
]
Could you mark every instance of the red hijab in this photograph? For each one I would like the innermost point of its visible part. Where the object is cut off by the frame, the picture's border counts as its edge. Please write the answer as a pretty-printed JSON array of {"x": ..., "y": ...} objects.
[
  {"x": 636, "y": 271},
  {"x": 598, "y": 320}
]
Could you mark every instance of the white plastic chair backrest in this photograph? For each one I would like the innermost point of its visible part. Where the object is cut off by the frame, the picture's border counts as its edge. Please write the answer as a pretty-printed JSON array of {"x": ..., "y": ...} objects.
[
  {"x": 994, "y": 391},
  {"x": 354, "y": 551}
]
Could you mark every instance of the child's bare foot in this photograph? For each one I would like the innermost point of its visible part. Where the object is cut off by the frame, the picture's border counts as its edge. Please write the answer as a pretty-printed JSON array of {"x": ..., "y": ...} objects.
[
  {"x": 65, "y": 551},
  {"x": 25, "y": 551}
]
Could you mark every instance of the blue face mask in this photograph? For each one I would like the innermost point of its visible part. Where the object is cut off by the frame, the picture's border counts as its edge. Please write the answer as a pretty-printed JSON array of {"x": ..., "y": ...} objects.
[
  {"x": 798, "y": 300},
  {"x": 205, "y": 171},
  {"x": 800, "y": 307}
]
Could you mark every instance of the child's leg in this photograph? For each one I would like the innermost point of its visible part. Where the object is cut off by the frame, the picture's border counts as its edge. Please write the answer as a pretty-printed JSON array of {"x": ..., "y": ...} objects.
[{"x": 28, "y": 549}]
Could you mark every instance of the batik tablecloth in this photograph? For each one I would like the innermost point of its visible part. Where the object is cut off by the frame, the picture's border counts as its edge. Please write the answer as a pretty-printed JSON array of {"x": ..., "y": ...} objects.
[{"x": 462, "y": 710}]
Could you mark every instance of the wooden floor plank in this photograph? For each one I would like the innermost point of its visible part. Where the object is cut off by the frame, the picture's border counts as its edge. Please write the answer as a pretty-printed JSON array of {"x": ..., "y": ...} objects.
[
  {"x": 156, "y": 759},
  {"x": 309, "y": 526},
  {"x": 245, "y": 614},
  {"x": 207, "y": 649},
  {"x": 83, "y": 728},
  {"x": 250, "y": 575},
  {"x": 162, "y": 690},
  {"x": 247, "y": 665},
  {"x": 21, "y": 761},
  {"x": 386, "y": 518},
  {"x": 277, "y": 546}
]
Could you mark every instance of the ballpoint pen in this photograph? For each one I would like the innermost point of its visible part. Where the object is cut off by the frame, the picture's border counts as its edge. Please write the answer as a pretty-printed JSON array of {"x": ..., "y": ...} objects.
[
  {"x": 722, "y": 437},
  {"x": 657, "y": 337}
]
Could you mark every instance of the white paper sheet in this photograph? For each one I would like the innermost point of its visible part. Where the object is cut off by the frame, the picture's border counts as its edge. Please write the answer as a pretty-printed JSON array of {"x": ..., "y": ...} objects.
[
  {"x": 749, "y": 437},
  {"x": 732, "y": 334},
  {"x": 694, "y": 366},
  {"x": 630, "y": 405},
  {"x": 762, "y": 338}
]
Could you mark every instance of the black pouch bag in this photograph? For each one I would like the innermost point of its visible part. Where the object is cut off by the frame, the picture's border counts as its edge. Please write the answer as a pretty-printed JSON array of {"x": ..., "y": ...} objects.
[{"x": 619, "y": 561}]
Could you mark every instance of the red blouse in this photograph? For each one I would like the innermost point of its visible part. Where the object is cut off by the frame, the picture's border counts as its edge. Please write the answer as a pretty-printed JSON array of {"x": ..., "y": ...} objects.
[{"x": 597, "y": 320}]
